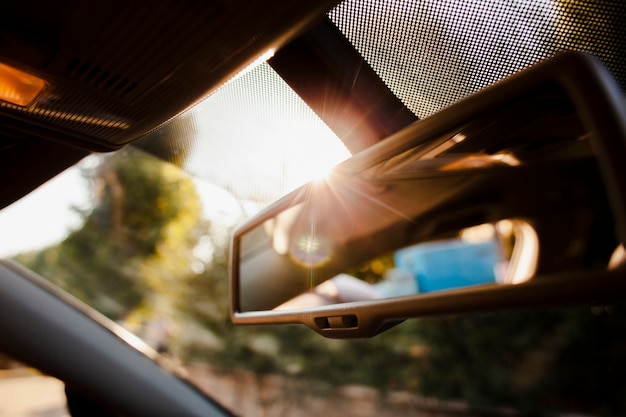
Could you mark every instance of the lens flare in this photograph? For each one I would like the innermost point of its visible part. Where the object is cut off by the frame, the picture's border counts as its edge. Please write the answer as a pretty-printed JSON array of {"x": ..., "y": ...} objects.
[{"x": 311, "y": 251}]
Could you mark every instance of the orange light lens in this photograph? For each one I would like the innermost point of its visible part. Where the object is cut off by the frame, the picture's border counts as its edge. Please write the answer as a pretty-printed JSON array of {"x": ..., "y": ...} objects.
[{"x": 18, "y": 87}]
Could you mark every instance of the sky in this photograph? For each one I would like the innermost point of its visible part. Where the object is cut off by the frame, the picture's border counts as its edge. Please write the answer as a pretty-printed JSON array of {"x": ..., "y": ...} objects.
[{"x": 26, "y": 226}]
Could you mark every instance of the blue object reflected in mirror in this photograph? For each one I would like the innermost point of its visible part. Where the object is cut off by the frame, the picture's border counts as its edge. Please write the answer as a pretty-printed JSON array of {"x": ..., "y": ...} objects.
[{"x": 451, "y": 263}]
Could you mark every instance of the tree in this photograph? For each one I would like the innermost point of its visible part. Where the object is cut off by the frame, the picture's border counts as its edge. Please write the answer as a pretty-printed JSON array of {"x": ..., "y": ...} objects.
[
  {"x": 542, "y": 362},
  {"x": 137, "y": 241}
]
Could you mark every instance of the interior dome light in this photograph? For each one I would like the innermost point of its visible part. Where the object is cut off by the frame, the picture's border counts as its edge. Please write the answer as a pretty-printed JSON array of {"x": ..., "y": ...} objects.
[{"x": 18, "y": 87}]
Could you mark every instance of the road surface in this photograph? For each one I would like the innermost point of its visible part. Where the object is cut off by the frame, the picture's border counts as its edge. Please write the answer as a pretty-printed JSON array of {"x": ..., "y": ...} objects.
[{"x": 27, "y": 394}]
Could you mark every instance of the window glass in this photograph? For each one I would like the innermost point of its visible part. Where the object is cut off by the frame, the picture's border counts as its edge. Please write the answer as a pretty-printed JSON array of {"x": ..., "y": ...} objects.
[
  {"x": 149, "y": 255},
  {"x": 145, "y": 242}
]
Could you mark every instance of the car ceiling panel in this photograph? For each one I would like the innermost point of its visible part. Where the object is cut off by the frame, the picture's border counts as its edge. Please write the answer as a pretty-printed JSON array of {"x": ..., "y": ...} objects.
[{"x": 117, "y": 69}]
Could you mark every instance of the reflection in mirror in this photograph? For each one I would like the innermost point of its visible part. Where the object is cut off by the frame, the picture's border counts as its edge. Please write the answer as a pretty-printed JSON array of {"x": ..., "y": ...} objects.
[{"x": 501, "y": 253}]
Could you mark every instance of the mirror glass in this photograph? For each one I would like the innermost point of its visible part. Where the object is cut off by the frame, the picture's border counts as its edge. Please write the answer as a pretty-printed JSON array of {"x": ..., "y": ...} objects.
[
  {"x": 496, "y": 200},
  {"x": 501, "y": 253}
]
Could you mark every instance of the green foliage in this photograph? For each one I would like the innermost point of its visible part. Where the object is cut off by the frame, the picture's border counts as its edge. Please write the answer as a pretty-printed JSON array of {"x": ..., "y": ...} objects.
[
  {"x": 135, "y": 244},
  {"x": 539, "y": 361}
]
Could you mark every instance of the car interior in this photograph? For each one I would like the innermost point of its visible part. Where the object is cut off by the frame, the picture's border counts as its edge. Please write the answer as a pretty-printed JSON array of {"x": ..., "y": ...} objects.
[{"x": 391, "y": 207}]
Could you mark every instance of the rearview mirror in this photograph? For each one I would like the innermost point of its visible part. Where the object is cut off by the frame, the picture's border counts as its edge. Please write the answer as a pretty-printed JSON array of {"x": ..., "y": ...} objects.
[{"x": 513, "y": 197}]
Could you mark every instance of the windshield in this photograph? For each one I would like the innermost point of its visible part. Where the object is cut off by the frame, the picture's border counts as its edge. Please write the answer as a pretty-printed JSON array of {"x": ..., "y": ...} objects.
[{"x": 143, "y": 237}]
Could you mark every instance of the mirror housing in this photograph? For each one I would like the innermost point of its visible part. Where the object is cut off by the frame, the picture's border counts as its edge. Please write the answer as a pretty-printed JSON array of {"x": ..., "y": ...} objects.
[{"x": 542, "y": 150}]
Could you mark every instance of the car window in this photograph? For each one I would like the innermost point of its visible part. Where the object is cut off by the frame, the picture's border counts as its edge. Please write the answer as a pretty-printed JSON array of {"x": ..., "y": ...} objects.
[
  {"x": 145, "y": 235},
  {"x": 151, "y": 253}
]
